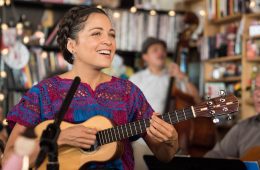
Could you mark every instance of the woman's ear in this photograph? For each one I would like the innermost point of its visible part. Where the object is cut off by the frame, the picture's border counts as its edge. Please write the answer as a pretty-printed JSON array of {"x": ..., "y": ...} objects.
[{"x": 71, "y": 45}]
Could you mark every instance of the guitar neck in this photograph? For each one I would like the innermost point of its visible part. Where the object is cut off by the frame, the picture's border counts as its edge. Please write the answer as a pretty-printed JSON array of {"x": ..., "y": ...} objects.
[{"x": 138, "y": 127}]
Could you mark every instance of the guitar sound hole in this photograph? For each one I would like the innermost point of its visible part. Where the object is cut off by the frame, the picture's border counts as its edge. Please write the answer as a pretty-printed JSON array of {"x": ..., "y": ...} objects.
[{"x": 91, "y": 149}]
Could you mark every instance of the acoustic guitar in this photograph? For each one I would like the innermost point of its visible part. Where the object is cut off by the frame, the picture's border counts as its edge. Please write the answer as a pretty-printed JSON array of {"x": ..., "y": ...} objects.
[{"x": 107, "y": 146}]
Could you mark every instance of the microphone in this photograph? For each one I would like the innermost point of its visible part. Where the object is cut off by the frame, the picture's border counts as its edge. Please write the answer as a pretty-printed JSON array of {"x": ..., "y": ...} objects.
[{"x": 49, "y": 137}]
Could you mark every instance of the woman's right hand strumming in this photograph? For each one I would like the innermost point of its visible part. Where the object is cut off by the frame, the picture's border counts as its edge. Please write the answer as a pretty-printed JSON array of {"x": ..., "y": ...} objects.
[{"x": 78, "y": 136}]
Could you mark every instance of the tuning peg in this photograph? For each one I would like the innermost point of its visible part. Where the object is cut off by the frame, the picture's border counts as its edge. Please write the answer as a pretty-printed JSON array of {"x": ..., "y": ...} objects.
[
  {"x": 222, "y": 93},
  {"x": 209, "y": 102},
  {"x": 216, "y": 120},
  {"x": 229, "y": 117}
]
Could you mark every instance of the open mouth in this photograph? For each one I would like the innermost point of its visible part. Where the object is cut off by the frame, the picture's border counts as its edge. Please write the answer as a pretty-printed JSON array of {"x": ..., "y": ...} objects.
[{"x": 104, "y": 52}]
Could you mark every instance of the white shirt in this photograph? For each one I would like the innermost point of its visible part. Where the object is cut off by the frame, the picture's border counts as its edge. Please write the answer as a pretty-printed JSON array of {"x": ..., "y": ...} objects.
[{"x": 154, "y": 87}]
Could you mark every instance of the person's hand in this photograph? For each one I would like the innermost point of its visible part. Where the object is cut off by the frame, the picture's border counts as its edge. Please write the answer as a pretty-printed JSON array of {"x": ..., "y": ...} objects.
[
  {"x": 162, "y": 131},
  {"x": 78, "y": 136},
  {"x": 175, "y": 71}
]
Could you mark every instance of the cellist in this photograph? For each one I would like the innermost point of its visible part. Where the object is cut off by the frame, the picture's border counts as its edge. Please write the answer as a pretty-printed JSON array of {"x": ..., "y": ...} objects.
[{"x": 154, "y": 81}]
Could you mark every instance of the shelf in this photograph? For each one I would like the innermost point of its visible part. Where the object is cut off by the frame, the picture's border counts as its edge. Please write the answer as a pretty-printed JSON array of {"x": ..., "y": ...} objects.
[
  {"x": 61, "y": 6},
  {"x": 253, "y": 15},
  {"x": 227, "y": 79},
  {"x": 191, "y": 1},
  {"x": 44, "y": 47},
  {"x": 39, "y": 4},
  {"x": 253, "y": 37},
  {"x": 224, "y": 59},
  {"x": 227, "y": 19},
  {"x": 22, "y": 90},
  {"x": 257, "y": 59},
  {"x": 160, "y": 11},
  {"x": 67, "y": 6}
]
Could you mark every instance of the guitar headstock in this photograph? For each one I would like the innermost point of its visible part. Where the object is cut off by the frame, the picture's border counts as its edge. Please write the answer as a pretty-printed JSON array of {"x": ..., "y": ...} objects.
[{"x": 223, "y": 105}]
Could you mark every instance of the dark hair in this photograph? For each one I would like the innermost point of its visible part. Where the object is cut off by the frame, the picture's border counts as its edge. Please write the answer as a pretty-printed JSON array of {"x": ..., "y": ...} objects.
[
  {"x": 150, "y": 41},
  {"x": 73, "y": 22}
]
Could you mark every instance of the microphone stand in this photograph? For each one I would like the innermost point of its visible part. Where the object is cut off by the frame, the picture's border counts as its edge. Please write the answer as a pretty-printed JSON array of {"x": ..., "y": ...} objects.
[
  {"x": 48, "y": 144},
  {"x": 49, "y": 137}
]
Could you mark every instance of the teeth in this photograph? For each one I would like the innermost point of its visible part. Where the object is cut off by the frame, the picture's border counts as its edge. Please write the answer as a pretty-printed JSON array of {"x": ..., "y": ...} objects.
[{"x": 104, "y": 52}]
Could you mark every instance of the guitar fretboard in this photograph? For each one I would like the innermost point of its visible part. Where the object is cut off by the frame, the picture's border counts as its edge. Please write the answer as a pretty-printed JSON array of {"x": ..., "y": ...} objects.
[{"x": 120, "y": 132}]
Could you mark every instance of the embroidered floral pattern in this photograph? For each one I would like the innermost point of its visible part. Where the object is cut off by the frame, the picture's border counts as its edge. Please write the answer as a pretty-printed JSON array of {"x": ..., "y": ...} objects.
[{"x": 119, "y": 100}]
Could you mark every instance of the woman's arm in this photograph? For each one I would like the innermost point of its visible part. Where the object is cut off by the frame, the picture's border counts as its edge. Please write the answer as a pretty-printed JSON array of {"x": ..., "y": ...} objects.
[{"x": 162, "y": 139}]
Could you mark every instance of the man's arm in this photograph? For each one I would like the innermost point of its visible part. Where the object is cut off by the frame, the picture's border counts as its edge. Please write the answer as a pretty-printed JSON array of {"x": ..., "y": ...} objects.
[
  {"x": 182, "y": 80},
  {"x": 227, "y": 147}
]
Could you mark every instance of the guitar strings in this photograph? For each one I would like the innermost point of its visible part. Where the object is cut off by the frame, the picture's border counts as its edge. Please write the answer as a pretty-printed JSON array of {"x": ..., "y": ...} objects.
[{"x": 142, "y": 124}]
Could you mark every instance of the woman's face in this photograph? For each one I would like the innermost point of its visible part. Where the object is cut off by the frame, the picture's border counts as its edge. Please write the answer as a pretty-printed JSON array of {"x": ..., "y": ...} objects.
[{"x": 95, "y": 44}]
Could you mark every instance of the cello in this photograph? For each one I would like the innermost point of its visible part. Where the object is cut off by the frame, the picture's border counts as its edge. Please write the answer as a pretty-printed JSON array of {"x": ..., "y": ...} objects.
[{"x": 196, "y": 136}]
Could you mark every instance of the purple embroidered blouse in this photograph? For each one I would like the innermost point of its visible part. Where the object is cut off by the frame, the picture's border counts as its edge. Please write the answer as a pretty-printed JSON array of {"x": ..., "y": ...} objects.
[{"x": 119, "y": 100}]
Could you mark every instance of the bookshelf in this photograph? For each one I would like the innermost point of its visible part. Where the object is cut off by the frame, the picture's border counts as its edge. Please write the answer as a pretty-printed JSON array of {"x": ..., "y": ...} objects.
[
  {"x": 216, "y": 26},
  {"x": 253, "y": 37},
  {"x": 59, "y": 5},
  {"x": 224, "y": 59},
  {"x": 42, "y": 5},
  {"x": 254, "y": 60},
  {"x": 248, "y": 65},
  {"x": 226, "y": 19},
  {"x": 126, "y": 51},
  {"x": 211, "y": 27},
  {"x": 228, "y": 79},
  {"x": 189, "y": 2}
]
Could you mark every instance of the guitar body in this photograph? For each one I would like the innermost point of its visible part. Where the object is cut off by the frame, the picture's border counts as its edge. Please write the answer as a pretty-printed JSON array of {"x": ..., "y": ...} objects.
[
  {"x": 72, "y": 158},
  {"x": 108, "y": 147}
]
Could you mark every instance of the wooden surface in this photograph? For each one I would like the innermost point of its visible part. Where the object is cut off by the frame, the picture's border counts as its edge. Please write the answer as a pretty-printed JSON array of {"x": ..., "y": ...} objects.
[
  {"x": 226, "y": 19},
  {"x": 224, "y": 59}
]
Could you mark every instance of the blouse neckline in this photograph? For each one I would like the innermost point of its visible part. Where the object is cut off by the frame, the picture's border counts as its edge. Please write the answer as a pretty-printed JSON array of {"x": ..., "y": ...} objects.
[{"x": 112, "y": 79}]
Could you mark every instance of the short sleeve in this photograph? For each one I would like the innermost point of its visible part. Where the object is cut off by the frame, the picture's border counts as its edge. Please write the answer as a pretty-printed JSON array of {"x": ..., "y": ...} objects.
[
  {"x": 27, "y": 111},
  {"x": 140, "y": 108}
]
